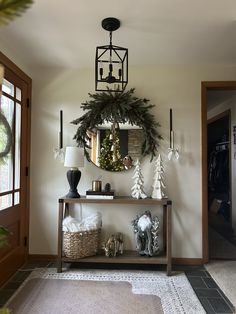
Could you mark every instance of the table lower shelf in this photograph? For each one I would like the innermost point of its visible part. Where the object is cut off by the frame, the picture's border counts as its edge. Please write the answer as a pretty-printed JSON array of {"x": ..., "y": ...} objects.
[{"x": 129, "y": 257}]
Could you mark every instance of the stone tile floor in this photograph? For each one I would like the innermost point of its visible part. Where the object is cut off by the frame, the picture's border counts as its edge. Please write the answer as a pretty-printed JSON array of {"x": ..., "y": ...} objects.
[
  {"x": 210, "y": 295},
  {"x": 17, "y": 279},
  {"x": 208, "y": 292}
]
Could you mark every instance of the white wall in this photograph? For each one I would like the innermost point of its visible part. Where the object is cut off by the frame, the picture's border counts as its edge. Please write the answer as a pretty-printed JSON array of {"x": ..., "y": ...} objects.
[
  {"x": 175, "y": 87},
  {"x": 218, "y": 102}
]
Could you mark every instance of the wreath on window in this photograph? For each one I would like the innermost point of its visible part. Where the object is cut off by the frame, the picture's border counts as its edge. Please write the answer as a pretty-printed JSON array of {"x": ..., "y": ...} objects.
[
  {"x": 5, "y": 137},
  {"x": 112, "y": 107}
]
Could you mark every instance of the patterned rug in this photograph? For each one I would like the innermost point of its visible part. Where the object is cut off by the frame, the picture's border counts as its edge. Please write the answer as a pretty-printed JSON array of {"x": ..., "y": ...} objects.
[{"x": 95, "y": 291}]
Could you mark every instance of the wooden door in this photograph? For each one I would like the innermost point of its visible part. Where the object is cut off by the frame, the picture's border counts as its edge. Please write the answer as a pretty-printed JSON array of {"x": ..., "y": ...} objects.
[{"x": 14, "y": 171}]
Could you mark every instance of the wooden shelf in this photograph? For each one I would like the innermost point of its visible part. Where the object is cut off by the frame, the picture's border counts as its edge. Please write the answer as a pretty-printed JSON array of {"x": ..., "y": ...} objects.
[
  {"x": 129, "y": 257},
  {"x": 116, "y": 200}
]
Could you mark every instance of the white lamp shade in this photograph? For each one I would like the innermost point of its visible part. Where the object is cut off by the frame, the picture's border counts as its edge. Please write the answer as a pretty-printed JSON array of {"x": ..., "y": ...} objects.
[{"x": 74, "y": 157}]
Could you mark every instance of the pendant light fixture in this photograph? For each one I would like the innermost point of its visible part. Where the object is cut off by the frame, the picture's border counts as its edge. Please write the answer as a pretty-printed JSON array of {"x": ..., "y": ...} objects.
[{"x": 111, "y": 63}]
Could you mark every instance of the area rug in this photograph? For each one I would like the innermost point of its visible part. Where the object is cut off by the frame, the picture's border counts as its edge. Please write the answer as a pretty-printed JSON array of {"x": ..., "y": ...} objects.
[
  {"x": 224, "y": 274},
  {"x": 104, "y": 292}
]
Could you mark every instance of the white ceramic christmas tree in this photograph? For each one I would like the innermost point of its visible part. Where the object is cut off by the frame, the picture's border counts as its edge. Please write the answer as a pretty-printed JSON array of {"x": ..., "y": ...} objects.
[
  {"x": 158, "y": 180},
  {"x": 137, "y": 189}
]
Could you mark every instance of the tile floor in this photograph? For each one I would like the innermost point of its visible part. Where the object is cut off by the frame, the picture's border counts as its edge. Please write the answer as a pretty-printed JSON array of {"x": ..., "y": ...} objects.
[{"x": 210, "y": 295}]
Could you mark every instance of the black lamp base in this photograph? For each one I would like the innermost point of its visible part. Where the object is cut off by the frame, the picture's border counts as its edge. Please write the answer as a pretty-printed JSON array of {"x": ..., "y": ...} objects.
[
  {"x": 72, "y": 194},
  {"x": 73, "y": 177}
]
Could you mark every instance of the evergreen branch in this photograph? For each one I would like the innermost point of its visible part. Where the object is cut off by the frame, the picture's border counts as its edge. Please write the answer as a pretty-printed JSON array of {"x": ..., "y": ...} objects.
[
  {"x": 120, "y": 107},
  {"x": 9, "y": 9}
]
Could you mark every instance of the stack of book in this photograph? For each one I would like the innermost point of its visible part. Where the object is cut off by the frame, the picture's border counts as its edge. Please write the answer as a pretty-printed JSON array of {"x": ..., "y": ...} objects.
[{"x": 100, "y": 194}]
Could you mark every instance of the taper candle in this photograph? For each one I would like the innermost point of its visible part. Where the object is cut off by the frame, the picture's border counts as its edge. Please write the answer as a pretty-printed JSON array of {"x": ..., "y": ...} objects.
[
  {"x": 61, "y": 130},
  {"x": 171, "y": 131}
]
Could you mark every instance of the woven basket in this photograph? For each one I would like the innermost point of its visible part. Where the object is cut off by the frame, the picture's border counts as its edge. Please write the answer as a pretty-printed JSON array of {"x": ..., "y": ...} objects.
[{"x": 81, "y": 244}]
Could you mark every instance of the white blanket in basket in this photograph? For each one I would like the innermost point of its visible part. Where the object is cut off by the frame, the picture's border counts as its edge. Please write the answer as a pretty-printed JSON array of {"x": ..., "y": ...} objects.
[{"x": 92, "y": 222}]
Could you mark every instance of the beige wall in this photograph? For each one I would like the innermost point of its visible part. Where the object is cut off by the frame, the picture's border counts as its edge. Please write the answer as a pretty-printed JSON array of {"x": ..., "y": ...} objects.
[{"x": 175, "y": 87}]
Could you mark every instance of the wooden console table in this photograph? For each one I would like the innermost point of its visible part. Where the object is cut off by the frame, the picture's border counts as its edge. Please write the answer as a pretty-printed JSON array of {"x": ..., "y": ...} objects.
[{"x": 129, "y": 257}]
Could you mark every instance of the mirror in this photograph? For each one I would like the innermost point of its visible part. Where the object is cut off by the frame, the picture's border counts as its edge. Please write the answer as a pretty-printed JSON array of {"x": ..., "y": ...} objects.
[
  {"x": 115, "y": 147},
  {"x": 105, "y": 131}
]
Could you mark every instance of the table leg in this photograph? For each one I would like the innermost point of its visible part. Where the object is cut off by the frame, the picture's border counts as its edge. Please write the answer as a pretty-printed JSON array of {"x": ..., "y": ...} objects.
[
  {"x": 59, "y": 248},
  {"x": 169, "y": 240}
]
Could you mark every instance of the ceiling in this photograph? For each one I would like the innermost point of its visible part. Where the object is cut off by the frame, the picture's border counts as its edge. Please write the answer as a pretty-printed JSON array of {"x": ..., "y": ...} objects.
[{"x": 61, "y": 33}]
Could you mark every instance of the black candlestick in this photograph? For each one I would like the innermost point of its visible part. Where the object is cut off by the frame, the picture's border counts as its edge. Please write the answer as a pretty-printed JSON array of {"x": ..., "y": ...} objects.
[
  {"x": 61, "y": 130},
  {"x": 171, "y": 128}
]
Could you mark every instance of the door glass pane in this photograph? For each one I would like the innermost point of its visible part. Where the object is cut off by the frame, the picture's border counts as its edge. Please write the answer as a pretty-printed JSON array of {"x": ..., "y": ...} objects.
[
  {"x": 5, "y": 201},
  {"x": 8, "y": 87},
  {"x": 6, "y": 167},
  {"x": 7, "y": 108},
  {"x": 16, "y": 198},
  {"x": 17, "y": 145},
  {"x": 6, "y": 171},
  {"x": 18, "y": 93}
]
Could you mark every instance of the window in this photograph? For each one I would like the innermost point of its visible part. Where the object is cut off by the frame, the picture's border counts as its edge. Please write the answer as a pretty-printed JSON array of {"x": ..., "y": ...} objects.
[{"x": 10, "y": 106}]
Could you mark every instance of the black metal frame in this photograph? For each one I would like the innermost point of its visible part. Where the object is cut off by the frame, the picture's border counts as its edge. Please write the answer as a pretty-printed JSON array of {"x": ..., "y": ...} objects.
[{"x": 116, "y": 83}]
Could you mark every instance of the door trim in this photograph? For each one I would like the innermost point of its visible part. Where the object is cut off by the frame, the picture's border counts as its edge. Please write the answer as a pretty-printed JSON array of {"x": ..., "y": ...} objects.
[
  {"x": 206, "y": 86},
  {"x": 12, "y": 67}
]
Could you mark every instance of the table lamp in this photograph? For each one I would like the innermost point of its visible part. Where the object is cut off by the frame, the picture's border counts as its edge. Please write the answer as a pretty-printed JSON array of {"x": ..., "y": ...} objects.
[{"x": 74, "y": 158}]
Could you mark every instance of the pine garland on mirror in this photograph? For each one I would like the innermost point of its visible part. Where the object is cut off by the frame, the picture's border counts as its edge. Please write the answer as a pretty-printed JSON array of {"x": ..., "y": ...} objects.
[{"x": 125, "y": 107}]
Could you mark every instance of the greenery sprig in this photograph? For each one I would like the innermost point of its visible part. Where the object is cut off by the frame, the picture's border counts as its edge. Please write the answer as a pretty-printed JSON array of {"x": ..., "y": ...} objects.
[
  {"x": 9, "y": 9},
  {"x": 4, "y": 237},
  {"x": 122, "y": 107}
]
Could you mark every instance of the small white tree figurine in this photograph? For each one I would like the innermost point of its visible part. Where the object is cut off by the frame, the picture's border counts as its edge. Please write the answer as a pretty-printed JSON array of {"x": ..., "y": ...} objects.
[
  {"x": 158, "y": 181},
  {"x": 137, "y": 189}
]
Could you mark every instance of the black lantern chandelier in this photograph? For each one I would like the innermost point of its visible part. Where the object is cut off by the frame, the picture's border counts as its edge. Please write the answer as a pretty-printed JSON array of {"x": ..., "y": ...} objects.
[{"x": 111, "y": 63}]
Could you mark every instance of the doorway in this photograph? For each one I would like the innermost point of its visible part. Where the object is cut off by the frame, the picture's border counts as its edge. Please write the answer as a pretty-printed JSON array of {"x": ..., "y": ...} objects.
[
  {"x": 14, "y": 179},
  {"x": 220, "y": 219},
  {"x": 217, "y": 204}
]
